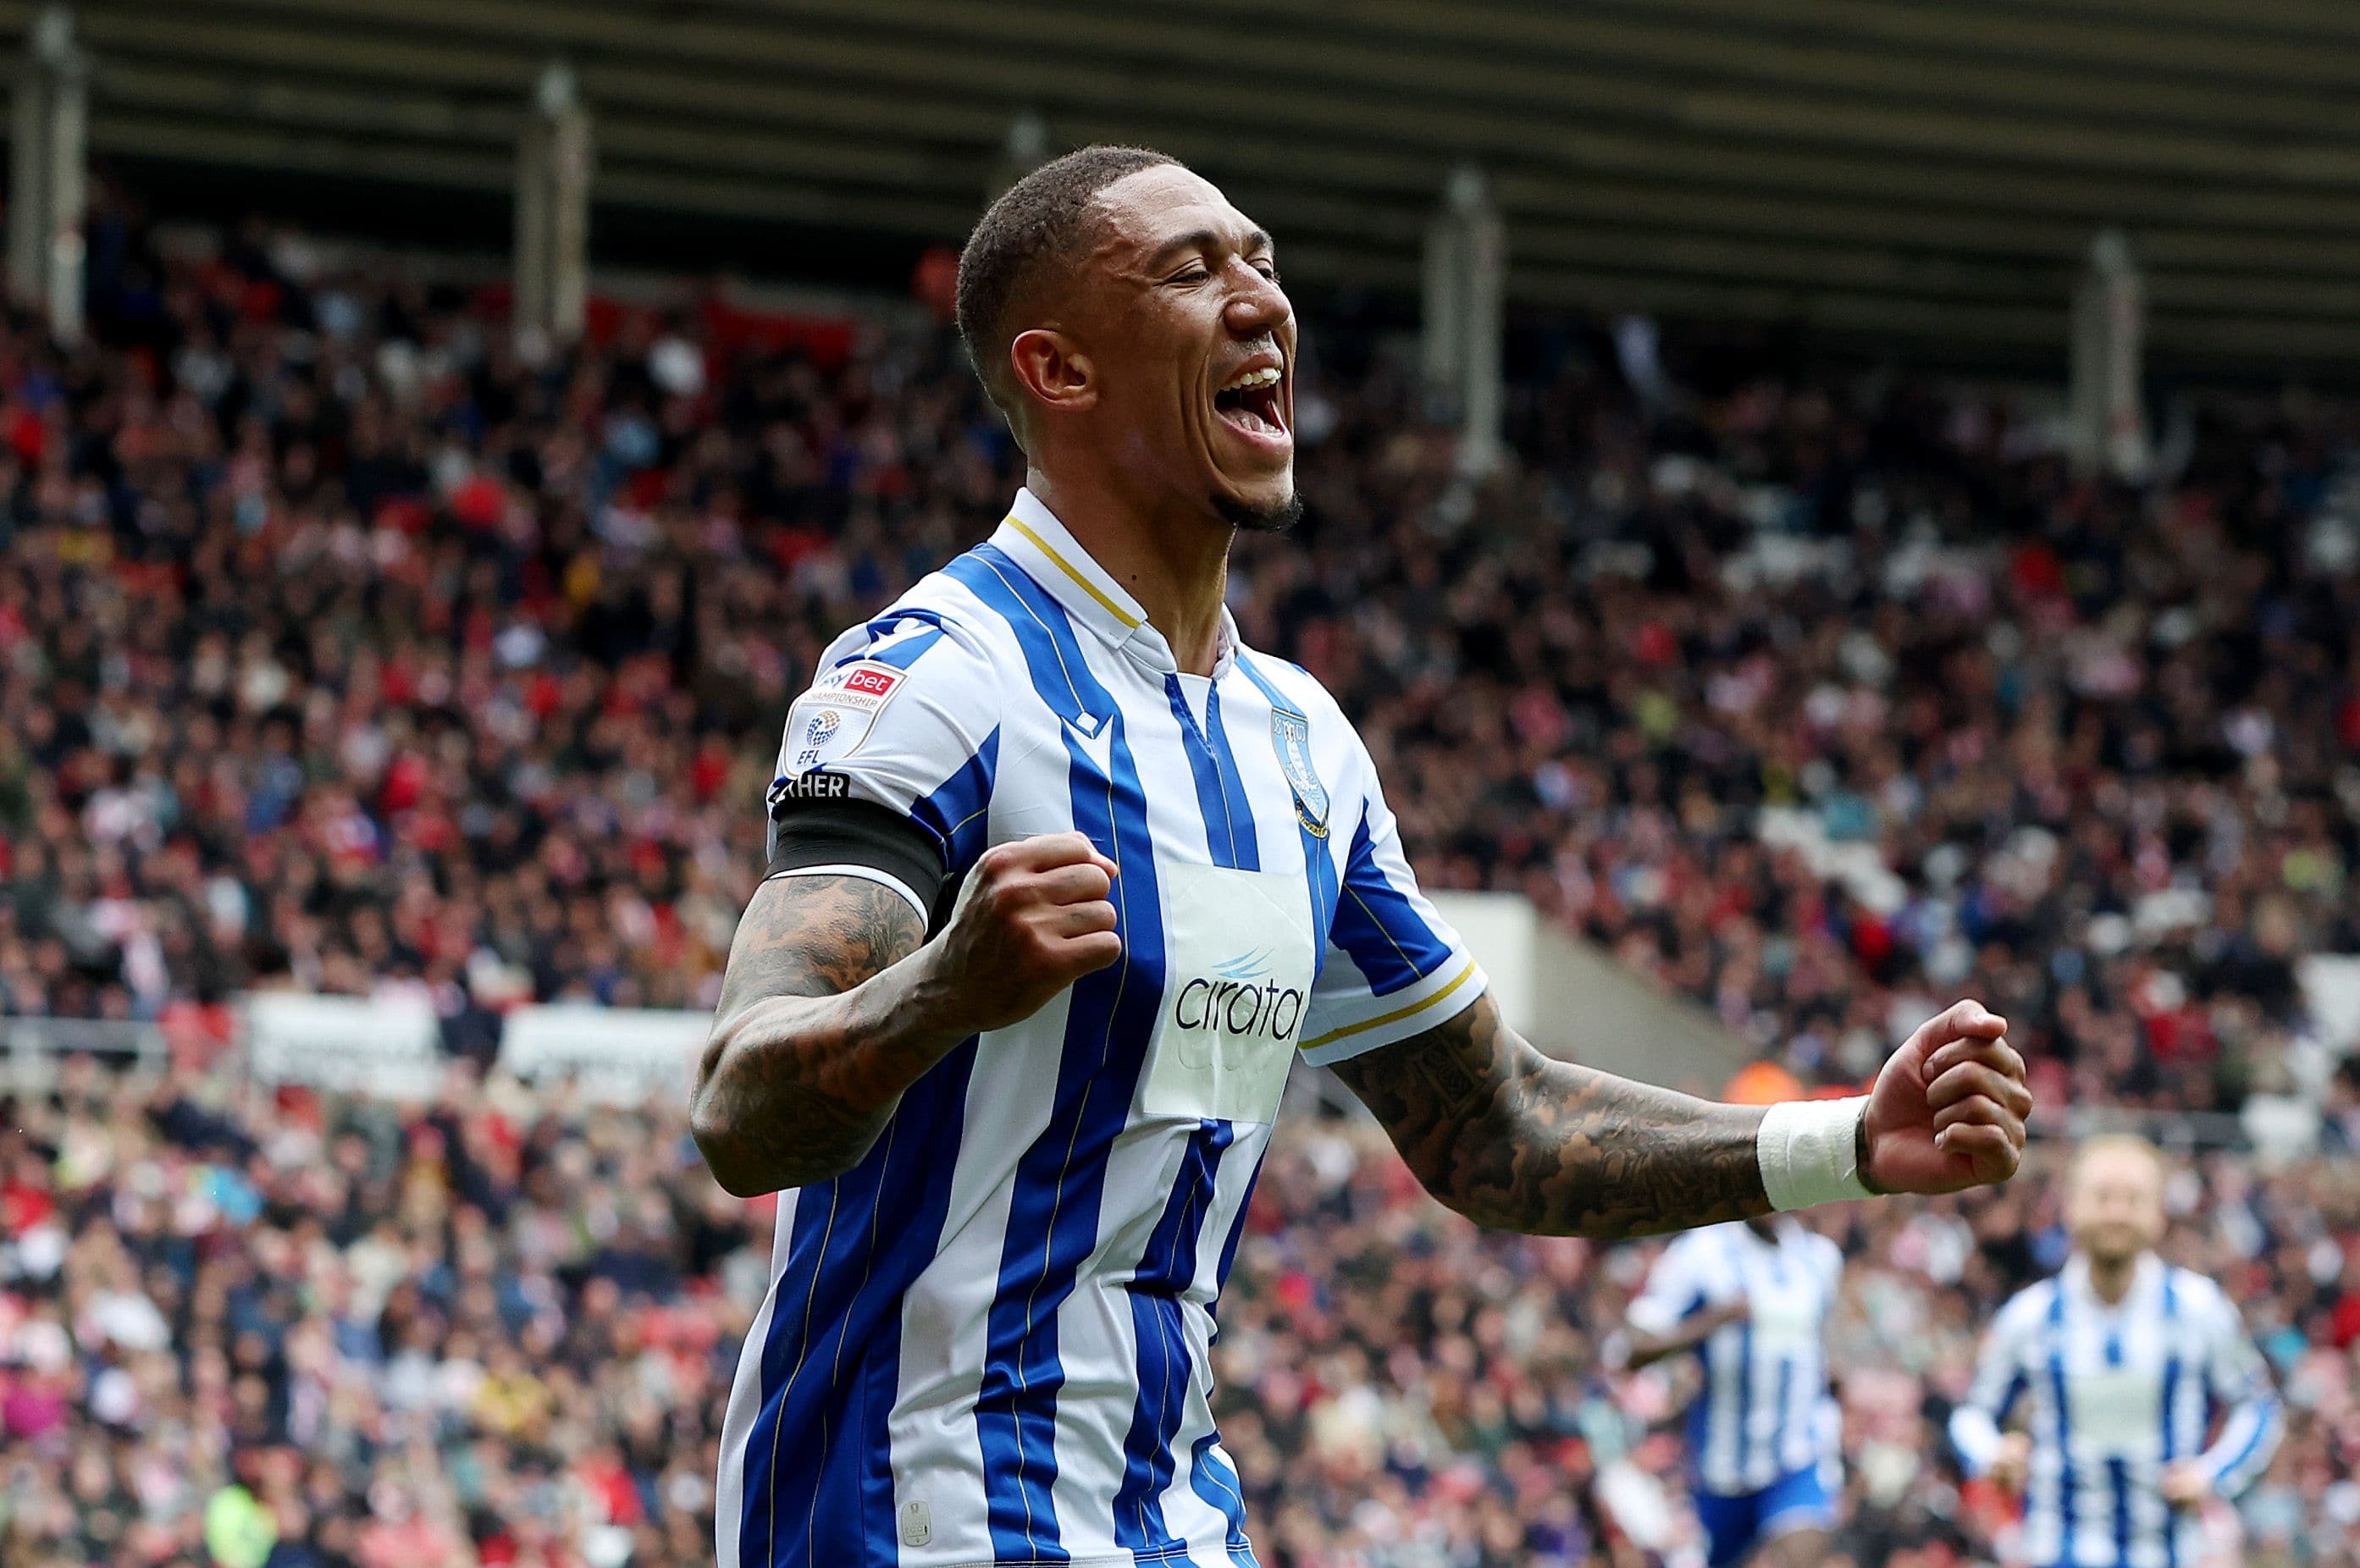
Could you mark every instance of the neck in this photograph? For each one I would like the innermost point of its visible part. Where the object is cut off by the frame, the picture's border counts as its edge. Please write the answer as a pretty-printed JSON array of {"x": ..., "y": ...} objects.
[
  {"x": 1176, "y": 562},
  {"x": 2111, "y": 1279}
]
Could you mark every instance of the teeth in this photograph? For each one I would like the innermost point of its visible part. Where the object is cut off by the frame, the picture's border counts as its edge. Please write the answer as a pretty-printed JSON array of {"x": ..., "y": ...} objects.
[{"x": 1266, "y": 377}]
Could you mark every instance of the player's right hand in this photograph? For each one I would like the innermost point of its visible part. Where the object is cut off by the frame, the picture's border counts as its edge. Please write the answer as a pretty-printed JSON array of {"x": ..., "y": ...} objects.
[
  {"x": 1033, "y": 918},
  {"x": 2012, "y": 1463}
]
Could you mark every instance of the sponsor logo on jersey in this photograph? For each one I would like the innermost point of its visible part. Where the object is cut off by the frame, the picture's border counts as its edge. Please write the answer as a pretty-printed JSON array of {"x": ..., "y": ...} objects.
[
  {"x": 828, "y": 723},
  {"x": 1236, "y": 992},
  {"x": 1241, "y": 1002}
]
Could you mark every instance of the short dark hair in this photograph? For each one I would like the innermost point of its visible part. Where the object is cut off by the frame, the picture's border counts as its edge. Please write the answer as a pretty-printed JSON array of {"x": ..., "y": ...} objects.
[{"x": 1038, "y": 222}]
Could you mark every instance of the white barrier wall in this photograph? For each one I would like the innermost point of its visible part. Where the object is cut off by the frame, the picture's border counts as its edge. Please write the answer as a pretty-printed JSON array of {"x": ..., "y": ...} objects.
[
  {"x": 1577, "y": 1004},
  {"x": 389, "y": 1046},
  {"x": 1501, "y": 929},
  {"x": 614, "y": 1055}
]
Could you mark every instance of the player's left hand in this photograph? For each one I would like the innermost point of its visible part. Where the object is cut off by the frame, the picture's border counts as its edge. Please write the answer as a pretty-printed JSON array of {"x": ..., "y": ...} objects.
[
  {"x": 1948, "y": 1110},
  {"x": 2184, "y": 1485}
]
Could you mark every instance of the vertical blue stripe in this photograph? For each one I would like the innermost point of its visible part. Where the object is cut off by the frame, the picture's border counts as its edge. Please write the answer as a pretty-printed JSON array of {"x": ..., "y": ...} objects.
[
  {"x": 1319, "y": 869},
  {"x": 1210, "y": 1478},
  {"x": 1060, "y": 1177},
  {"x": 1166, "y": 1268},
  {"x": 2171, "y": 1434},
  {"x": 958, "y": 812},
  {"x": 2016, "y": 1386},
  {"x": 1388, "y": 942},
  {"x": 832, "y": 1361},
  {"x": 1233, "y": 785},
  {"x": 2118, "y": 1477},
  {"x": 1229, "y": 824},
  {"x": 2064, "y": 1424},
  {"x": 1745, "y": 1408},
  {"x": 1238, "y": 1224}
]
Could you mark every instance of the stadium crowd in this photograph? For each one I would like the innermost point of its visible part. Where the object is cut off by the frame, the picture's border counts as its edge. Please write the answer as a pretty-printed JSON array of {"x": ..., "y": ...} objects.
[{"x": 349, "y": 645}]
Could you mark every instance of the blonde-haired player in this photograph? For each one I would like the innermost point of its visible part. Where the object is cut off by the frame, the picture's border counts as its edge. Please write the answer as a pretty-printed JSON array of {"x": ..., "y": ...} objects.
[{"x": 2121, "y": 1363}]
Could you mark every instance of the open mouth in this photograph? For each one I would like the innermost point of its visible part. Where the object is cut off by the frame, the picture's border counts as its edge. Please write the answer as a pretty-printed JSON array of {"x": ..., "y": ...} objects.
[{"x": 1252, "y": 403}]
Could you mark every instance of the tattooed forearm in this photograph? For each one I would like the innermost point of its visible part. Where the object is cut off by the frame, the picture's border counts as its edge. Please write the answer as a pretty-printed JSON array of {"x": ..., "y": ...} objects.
[
  {"x": 1516, "y": 1141},
  {"x": 807, "y": 1059}
]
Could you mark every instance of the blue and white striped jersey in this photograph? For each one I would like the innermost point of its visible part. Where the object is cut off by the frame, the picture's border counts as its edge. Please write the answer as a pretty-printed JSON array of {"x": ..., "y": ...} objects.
[
  {"x": 2115, "y": 1393},
  {"x": 1764, "y": 1410},
  {"x": 986, "y": 1343}
]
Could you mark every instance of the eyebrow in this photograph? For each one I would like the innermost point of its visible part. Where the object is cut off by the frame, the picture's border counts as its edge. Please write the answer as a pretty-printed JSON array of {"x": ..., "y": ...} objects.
[{"x": 1206, "y": 239}]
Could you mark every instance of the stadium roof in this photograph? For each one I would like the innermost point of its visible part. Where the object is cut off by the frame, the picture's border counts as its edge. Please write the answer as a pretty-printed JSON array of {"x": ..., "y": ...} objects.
[{"x": 1922, "y": 169}]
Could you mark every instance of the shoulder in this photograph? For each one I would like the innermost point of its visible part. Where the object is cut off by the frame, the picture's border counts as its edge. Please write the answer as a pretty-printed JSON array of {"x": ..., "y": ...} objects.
[
  {"x": 2200, "y": 1298},
  {"x": 1292, "y": 686},
  {"x": 1704, "y": 1249},
  {"x": 1337, "y": 753},
  {"x": 1670, "y": 1259},
  {"x": 933, "y": 640},
  {"x": 1824, "y": 1253},
  {"x": 2028, "y": 1308},
  {"x": 938, "y": 621}
]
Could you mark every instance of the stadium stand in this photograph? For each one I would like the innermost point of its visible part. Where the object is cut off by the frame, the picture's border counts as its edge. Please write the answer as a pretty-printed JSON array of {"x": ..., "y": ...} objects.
[{"x": 347, "y": 648}]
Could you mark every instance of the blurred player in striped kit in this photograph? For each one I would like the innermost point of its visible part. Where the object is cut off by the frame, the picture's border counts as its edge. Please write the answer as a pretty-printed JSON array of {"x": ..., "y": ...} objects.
[
  {"x": 2122, "y": 1365},
  {"x": 1751, "y": 1300}
]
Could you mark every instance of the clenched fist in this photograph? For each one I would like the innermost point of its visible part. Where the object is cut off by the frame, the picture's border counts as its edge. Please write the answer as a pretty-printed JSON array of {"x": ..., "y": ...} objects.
[
  {"x": 1032, "y": 918},
  {"x": 1948, "y": 1110}
]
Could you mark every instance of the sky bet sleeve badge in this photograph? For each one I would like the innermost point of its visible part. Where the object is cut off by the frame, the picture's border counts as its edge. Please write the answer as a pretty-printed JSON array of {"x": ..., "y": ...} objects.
[
  {"x": 1290, "y": 737},
  {"x": 828, "y": 723}
]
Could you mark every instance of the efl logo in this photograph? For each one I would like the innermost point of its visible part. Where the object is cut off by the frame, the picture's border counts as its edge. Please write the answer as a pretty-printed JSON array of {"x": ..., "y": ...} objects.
[{"x": 872, "y": 681}]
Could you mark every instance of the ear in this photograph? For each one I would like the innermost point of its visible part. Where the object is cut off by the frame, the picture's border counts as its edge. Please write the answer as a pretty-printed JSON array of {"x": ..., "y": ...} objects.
[{"x": 1051, "y": 369}]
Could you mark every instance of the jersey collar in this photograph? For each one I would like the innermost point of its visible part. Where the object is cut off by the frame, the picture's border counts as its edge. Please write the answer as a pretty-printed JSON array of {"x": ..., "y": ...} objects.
[{"x": 1032, "y": 536}]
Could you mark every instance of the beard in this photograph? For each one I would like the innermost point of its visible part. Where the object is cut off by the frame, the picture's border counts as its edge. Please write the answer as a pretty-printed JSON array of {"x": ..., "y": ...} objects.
[{"x": 1275, "y": 520}]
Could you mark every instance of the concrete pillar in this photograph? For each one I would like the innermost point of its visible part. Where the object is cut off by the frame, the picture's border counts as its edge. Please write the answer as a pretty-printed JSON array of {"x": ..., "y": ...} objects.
[
  {"x": 1465, "y": 297},
  {"x": 1025, "y": 149},
  {"x": 2108, "y": 425},
  {"x": 48, "y": 189},
  {"x": 552, "y": 209}
]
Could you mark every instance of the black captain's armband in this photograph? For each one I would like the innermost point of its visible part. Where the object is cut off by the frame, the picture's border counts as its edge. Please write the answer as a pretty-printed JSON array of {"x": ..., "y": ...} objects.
[
  {"x": 805, "y": 789},
  {"x": 817, "y": 824}
]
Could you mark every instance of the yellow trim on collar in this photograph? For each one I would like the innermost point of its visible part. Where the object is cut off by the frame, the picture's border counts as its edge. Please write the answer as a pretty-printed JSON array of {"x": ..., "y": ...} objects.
[
  {"x": 1394, "y": 1017},
  {"x": 1130, "y": 621}
]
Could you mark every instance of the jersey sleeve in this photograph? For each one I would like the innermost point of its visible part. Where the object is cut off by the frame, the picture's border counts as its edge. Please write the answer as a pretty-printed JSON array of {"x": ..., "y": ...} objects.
[
  {"x": 1999, "y": 1383},
  {"x": 2237, "y": 1376},
  {"x": 886, "y": 766},
  {"x": 1673, "y": 1290},
  {"x": 1392, "y": 967}
]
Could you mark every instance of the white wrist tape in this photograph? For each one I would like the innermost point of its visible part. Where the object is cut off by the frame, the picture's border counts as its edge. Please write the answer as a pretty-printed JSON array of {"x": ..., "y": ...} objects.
[{"x": 1810, "y": 1152}]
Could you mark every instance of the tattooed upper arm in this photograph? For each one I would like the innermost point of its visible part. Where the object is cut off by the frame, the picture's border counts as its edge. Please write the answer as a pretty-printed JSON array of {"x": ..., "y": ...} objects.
[
  {"x": 1514, "y": 1140},
  {"x": 790, "y": 1088},
  {"x": 816, "y": 936}
]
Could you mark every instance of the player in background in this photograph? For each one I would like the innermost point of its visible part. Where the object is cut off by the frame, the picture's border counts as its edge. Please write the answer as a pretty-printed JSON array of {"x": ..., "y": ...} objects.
[
  {"x": 2118, "y": 1363},
  {"x": 1751, "y": 1301}
]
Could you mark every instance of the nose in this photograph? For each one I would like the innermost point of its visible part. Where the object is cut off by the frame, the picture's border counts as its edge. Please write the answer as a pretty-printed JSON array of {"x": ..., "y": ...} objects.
[{"x": 1257, "y": 306}]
